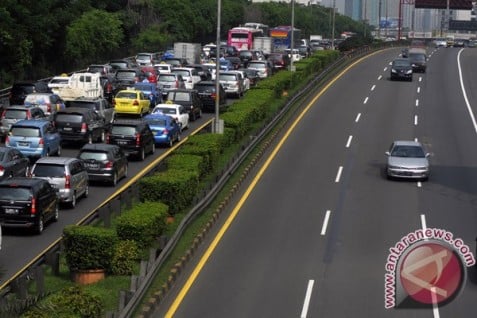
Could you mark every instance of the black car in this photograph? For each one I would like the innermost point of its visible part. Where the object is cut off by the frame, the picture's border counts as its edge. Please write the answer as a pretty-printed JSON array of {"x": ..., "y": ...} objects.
[
  {"x": 235, "y": 60},
  {"x": 189, "y": 98},
  {"x": 13, "y": 163},
  {"x": 252, "y": 75},
  {"x": 418, "y": 59},
  {"x": 104, "y": 162},
  {"x": 245, "y": 57},
  {"x": 203, "y": 71},
  {"x": 401, "y": 69},
  {"x": 81, "y": 125},
  {"x": 133, "y": 136},
  {"x": 20, "y": 90},
  {"x": 27, "y": 203},
  {"x": 127, "y": 77},
  {"x": 207, "y": 94},
  {"x": 122, "y": 64}
]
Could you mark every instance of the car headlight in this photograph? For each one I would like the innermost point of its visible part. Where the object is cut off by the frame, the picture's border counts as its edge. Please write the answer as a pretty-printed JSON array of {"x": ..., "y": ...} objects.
[
  {"x": 409, "y": 72},
  {"x": 393, "y": 71}
]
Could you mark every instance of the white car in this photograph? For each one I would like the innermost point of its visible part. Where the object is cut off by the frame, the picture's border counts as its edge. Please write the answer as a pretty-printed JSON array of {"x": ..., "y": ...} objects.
[
  {"x": 163, "y": 68},
  {"x": 245, "y": 79},
  {"x": 178, "y": 112},
  {"x": 190, "y": 76},
  {"x": 57, "y": 82}
]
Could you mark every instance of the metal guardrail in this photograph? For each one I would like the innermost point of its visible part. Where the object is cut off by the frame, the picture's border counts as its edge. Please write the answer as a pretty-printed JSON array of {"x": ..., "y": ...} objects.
[{"x": 123, "y": 200}]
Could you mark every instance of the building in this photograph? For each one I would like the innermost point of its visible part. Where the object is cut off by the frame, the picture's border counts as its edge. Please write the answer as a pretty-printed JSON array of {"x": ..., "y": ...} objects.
[{"x": 305, "y": 2}]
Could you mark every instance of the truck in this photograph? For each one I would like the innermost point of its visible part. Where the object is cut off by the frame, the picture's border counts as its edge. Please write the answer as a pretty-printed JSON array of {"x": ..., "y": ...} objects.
[
  {"x": 189, "y": 51},
  {"x": 263, "y": 43},
  {"x": 82, "y": 84},
  {"x": 282, "y": 37},
  {"x": 316, "y": 37}
]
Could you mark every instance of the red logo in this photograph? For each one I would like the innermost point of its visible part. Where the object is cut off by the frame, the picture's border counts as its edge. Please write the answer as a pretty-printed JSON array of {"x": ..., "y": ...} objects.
[{"x": 432, "y": 273}]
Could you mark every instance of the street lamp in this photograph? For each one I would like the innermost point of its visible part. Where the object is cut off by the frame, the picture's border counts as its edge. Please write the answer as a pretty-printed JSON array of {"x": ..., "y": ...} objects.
[
  {"x": 218, "y": 124},
  {"x": 333, "y": 27},
  {"x": 292, "y": 44}
]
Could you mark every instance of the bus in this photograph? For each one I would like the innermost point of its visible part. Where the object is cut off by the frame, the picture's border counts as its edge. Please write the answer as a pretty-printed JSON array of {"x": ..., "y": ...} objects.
[
  {"x": 282, "y": 37},
  {"x": 265, "y": 29},
  {"x": 242, "y": 37}
]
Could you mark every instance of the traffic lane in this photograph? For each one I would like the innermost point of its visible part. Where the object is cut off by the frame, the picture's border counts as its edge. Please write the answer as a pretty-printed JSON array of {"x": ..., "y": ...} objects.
[
  {"x": 19, "y": 247},
  {"x": 449, "y": 198},
  {"x": 284, "y": 203}
]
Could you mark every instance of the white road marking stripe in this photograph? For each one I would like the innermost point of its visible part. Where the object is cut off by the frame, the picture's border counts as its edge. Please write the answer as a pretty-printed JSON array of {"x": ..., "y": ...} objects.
[
  {"x": 373, "y": 87},
  {"x": 415, "y": 120},
  {"x": 349, "y": 141},
  {"x": 379, "y": 77},
  {"x": 357, "y": 117},
  {"x": 338, "y": 175},
  {"x": 417, "y": 102},
  {"x": 325, "y": 222},
  {"x": 418, "y": 90},
  {"x": 469, "y": 109},
  {"x": 420, "y": 79},
  {"x": 423, "y": 222},
  {"x": 365, "y": 100},
  {"x": 435, "y": 309},
  {"x": 306, "y": 303}
]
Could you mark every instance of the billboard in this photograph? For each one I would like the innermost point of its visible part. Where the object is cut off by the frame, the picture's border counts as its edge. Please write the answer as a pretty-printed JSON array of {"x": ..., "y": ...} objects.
[
  {"x": 458, "y": 25},
  {"x": 389, "y": 23},
  {"x": 442, "y": 4}
]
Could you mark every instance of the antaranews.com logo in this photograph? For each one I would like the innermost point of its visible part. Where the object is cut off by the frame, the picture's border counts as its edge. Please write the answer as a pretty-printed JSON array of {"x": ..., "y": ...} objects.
[{"x": 425, "y": 268}]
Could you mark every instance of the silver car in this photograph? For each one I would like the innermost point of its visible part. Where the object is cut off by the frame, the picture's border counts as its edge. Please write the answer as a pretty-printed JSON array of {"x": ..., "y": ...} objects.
[
  {"x": 407, "y": 159},
  {"x": 68, "y": 175}
]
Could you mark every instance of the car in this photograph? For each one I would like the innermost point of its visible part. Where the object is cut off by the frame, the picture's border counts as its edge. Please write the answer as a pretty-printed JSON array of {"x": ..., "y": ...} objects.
[
  {"x": 131, "y": 102},
  {"x": 27, "y": 203},
  {"x": 252, "y": 75},
  {"x": 147, "y": 59},
  {"x": 401, "y": 69},
  {"x": 165, "y": 129},
  {"x": 50, "y": 103},
  {"x": 459, "y": 42},
  {"x": 245, "y": 57},
  {"x": 407, "y": 159},
  {"x": 15, "y": 113},
  {"x": 103, "y": 69},
  {"x": 263, "y": 67},
  {"x": 151, "y": 91},
  {"x": 163, "y": 68},
  {"x": 13, "y": 163},
  {"x": 235, "y": 60},
  {"x": 418, "y": 59},
  {"x": 133, "y": 136},
  {"x": 440, "y": 42},
  {"x": 121, "y": 64},
  {"x": 189, "y": 74},
  {"x": 293, "y": 56},
  {"x": 176, "y": 111},
  {"x": 100, "y": 105},
  {"x": 126, "y": 78},
  {"x": 20, "y": 90},
  {"x": 232, "y": 83},
  {"x": 57, "y": 82},
  {"x": 207, "y": 93},
  {"x": 104, "y": 162},
  {"x": 304, "y": 50},
  {"x": 245, "y": 79},
  {"x": 279, "y": 61},
  {"x": 189, "y": 98},
  {"x": 81, "y": 125},
  {"x": 34, "y": 138},
  {"x": 67, "y": 175},
  {"x": 203, "y": 71},
  {"x": 169, "y": 81}
]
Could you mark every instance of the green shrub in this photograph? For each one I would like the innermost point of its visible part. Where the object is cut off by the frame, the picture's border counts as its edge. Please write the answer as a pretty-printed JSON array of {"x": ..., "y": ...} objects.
[
  {"x": 186, "y": 162},
  {"x": 88, "y": 247},
  {"x": 143, "y": 223},
  {"x": 176, "y": 188},
  {"x": 207, "y": 146},
  {"x": 126, "y": 254}
]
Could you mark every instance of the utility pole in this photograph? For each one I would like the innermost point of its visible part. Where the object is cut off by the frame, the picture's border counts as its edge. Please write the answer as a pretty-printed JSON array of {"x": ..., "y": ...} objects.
[
  {"x": 333, "y": 27},
  {"x": 218, "y": 124}
]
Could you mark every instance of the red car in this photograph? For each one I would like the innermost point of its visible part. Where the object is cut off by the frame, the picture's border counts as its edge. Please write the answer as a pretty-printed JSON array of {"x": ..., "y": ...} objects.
[{"x": 150, "y": 74}]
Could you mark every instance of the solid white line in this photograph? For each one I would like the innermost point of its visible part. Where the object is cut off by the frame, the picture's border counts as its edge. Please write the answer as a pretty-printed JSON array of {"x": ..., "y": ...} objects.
[
  {"x": 325, "y": 222},
  {"x": 373, "y": 87},
  {"x": 415, "y": 120},
  {"x": 423, "y": 222},
  {"x": 435, "y": 309},
  {"x": 338, "y": 175},
  {"x": 469, "y": 109},
  {"x": 418, "y": 90},
  {"x": 365, "y": 100},
  {"x": 349, "y": 141},
  {"x": 306, "y": 303},
  {"x": 417, "y": 102},
  {"x": 379, "y": 77},
  {"x": 357, "y": 117}
]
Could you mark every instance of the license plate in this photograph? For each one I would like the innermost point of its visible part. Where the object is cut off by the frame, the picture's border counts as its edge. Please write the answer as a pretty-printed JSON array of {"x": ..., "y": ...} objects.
[
  {"x": 92, "y": 165},
  {"x": 122, "y": 142},
  {"x": 23, "y": 143},
  {"x": 67, "y": 128},
  {"x": 11, "y": 211}
]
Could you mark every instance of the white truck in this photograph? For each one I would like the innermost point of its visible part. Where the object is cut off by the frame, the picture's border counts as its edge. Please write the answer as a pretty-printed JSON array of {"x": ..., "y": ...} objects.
[
  {"x": 263, "y": 43},
  {"x": 189, "y": 51},
  {"x": 82, "y": 84}
]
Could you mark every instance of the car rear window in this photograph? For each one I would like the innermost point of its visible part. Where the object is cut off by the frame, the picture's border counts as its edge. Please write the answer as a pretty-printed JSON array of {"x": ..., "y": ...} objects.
[
  {"x": 167, "y": 78},
  {"x": 15, "y": 114},
  {"x": 25, "y": 131},
  {"x": 16, "y": 89},
  {"x": 205, "y": 88},
  {"x": 179, "y": 96},
  {"x": 256, "y": 65},
  {"x": 156, "y": 121},
  {"x": 227, "y": 77},
  {"x": 86, "y": 105},
  {"x": 48, "y": 170},
  {"x": 93, "y": 155},
  {"x": 128, "y": 95},
  {"x": 125, "y": 74},
  {"x": 37, "y": 99},
  {"x": 69, "y": 118},
  {"x": 123, "y": 130},
  {"x": 15, "y": 193},
  {"x": 165, "y": 110},
  {"x": 184, "y": 73}
]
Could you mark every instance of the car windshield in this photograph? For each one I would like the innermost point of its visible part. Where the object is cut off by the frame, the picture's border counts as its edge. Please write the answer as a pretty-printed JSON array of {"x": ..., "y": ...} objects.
[
  {"x": 127, "y": 95},
  {"x": 48, "y": 170},
  {"x": 417, "y": 57},
  {"x": 401, "y": 63},
  {"x": 179, "y": 96},
  {"x": 69, "y": 118},
  {"x": 15, "y": 114},
  {"x": 25, "y": 131},
  {"x": 123, "y": 130},
  {"x": 165, "y": 110},
  {"x": 143, "y": 57},
  {"x": 93, "y": 155},
  {"x": 15, "y": 193},
  {"x": 408, "y": 152}
]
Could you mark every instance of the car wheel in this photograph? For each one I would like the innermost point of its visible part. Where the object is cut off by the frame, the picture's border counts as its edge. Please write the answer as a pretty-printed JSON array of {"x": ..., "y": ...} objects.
[
  {"x": 114, "y": 181},
  {"x": 86, "y": 191},
  {"x": 39, "y": 227},
  {"x": 170, "y": 143},
  {"x": 58, "y": 151},
  {"x": 153, "y": 148},
  {"x": 56, "y": 214},
  {"x": 142, "y": 154},
  {"x": 73, "y": 201}
]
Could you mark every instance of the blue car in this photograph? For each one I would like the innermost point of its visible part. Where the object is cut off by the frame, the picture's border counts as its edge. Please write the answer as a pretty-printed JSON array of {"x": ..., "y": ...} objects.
[
  {"x": 34, "y": 138},
  {"x": 165, "y": 129},
  {"x": 226, "y": 65},
  {"x": 151, "y": 91}
]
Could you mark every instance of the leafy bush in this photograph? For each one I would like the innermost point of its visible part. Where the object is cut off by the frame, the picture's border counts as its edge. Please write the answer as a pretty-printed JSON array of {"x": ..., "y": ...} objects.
[
  {"x": 88, "y": 247},
  {"x": 143, "y": 223},
  {"x": 126, "y": 254},
  {"x": 186, "y": 162}
]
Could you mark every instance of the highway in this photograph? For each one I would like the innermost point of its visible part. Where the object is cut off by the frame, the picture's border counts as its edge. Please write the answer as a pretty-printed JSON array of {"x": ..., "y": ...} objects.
[{"x": 311, "y": 234}]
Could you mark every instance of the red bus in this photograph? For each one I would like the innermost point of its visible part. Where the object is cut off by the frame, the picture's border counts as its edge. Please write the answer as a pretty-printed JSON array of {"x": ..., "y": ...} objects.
[{"x": 242, "y": 38}]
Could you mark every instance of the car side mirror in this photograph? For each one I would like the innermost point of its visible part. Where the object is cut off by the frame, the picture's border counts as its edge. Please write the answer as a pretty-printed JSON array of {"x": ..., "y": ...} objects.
[
  {"x": 387, "y": 153},
  {"x": 428, "y": 155}
]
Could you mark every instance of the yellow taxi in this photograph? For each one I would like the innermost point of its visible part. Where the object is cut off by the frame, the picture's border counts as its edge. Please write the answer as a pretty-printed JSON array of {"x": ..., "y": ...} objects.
[{"x": 131, "y": 102}]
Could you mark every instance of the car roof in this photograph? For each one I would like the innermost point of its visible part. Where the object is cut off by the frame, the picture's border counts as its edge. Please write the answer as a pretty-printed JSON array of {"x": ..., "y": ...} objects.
[
  {"x": 128, "y": 91},
  {"x": 407, "y": 143},
  {"x": 74, "y": 110},
  {"x": 168, "y": 105},
  {"x": 127, "y": 122},
  {"x": 31, "y": 123},
  {"x": 158, "y": 116},
  {"x": 55, "y": 160},
  {"x": 185, "y": 90},
  {"x": 22, "y": 181},
  {"x": 99, "y": 147}
]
